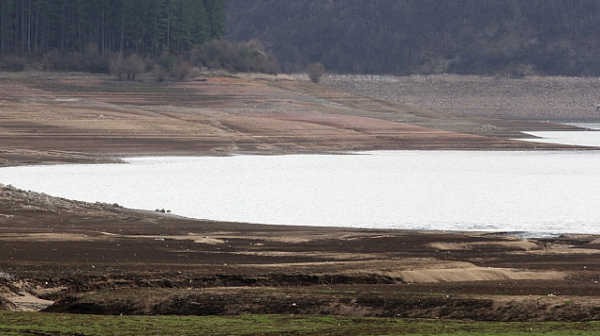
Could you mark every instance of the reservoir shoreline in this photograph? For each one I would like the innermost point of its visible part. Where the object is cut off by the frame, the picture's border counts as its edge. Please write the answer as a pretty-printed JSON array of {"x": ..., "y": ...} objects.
[
  {"x": 532, "y": 191},
  {"x": 101, "y": 258}
]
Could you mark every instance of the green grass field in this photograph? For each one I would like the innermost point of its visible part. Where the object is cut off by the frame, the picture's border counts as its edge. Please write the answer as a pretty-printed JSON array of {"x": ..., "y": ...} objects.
[{"x": 21, "y": 324}]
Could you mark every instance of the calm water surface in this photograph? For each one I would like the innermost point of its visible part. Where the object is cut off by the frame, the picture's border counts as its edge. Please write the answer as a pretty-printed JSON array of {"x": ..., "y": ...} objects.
[
  {"x": 439, "y": 190},
  {"x": 586, "y": 138}
]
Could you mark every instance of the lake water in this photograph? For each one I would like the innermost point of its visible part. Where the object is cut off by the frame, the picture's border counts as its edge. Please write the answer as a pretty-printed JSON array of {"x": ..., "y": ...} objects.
[
  {"x": 549, "y": 192},
  {"x": 585, "y": 138}
]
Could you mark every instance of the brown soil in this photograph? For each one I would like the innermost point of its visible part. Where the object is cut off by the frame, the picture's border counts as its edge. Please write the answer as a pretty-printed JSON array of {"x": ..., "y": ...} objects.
[
  {"x": 101, "y": 258},
  {"x": 50, "y": 118}
]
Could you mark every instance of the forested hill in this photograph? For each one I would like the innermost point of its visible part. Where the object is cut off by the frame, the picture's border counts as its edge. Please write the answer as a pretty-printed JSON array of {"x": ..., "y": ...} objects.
[
  {"x": 551, "y": 37},
  {"x": 148, "y": 27}
]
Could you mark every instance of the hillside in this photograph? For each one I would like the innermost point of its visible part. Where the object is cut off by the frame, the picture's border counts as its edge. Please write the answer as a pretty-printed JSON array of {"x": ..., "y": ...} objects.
[{"x": 508, "y": 37}]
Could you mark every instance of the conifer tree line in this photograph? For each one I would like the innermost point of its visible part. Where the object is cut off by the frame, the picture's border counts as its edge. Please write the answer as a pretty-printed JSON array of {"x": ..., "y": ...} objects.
[
  {"x": 147, "y": 27},
  {"x": 512, "y": 37}
]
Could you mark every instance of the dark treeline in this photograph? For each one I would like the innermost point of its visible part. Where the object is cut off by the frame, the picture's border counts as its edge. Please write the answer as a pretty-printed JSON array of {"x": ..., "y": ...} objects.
[
  {"x": 550, "y": 37},
  {"x": 147, "y": 27}
]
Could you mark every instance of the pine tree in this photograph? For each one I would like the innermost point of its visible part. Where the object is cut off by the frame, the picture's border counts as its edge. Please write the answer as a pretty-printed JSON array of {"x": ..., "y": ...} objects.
[
  {"x": 201, "y": 31},
  {"x": 6, "y": 24},
  {"x": 216, "y": 17},
  {"x": 150, "y": 27}
]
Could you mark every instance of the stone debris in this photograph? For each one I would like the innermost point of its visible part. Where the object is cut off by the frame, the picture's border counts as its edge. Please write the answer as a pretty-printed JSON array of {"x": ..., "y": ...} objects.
[{"x": 19, "y": 200}]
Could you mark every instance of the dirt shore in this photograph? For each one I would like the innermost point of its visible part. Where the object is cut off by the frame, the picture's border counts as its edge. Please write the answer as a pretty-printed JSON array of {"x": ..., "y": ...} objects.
[
  {"x": 103, "y": 259},
  {"x": 54, "y": 118},
  {"x": 69, "y": 256}
]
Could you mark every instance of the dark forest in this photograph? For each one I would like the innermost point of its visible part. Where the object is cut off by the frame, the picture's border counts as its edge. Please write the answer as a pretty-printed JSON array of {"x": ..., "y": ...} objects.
[
  {"x": 146, "y": 27},
  {"x": 512, "y": 37}
]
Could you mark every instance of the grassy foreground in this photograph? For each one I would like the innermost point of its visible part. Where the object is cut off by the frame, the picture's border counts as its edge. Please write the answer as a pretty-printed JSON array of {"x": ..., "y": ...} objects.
[{"x": 17, "y": 324}]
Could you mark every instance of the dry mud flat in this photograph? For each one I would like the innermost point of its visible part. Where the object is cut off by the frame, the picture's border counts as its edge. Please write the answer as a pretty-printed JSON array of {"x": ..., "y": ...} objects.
[
  {"x": 53, "y": 118},
  {"x": 103, "y": 259}
]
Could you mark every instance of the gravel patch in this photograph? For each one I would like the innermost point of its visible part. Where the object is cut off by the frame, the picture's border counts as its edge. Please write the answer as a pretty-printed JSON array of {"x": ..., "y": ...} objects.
[{"x": 539, "y": 98}]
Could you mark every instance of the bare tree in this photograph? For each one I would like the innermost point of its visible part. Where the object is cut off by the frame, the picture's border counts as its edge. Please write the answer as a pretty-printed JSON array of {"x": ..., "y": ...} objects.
[
  {"x": 315, "y": 71},
  {"x": 117, "y": 67},
  {"x": 127, "y": 68}
]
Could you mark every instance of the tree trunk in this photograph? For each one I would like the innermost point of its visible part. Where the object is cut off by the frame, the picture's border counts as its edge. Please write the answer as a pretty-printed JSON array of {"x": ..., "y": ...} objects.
[{"x": 122, "y": 45}]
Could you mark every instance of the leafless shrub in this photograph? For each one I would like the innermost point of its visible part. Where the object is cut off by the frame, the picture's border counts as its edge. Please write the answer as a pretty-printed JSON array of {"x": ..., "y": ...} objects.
[
  {"x": 117, "y": 67},
  {"x": 250, "y": 56},
  {"x": 520, "y": 72},
  {"x": 12, "y": 63},
  {"x": 127, "y": 68},
  {"x": 90, "y": 61},
  {"x": 181, "y": 71},
  {"x": 53, "y": 61},
  {"x": 315, "y": 71},
  {"x": 159, "y": 73},
  {"x": 135, "y": 66},
  {"x": 94, "y": 63}
]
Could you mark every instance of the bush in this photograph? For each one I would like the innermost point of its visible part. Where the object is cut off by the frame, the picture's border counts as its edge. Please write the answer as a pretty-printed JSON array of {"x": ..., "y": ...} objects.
[
  {"x": 167, "y": 62},
  {"x": 127, "y": 68},
  {"x": 89, "y": 62},
  {"x": 95, "y": 63},
  {"x": 12, "y": 63},
  {"x": 159, "y": 73},
  {"x": 250, "y": 56},
  {"x": 315, "y": 71},
  {"x": 52, "y": 61},
  {"x": 135, "y": 66},
  {"x": 181, "y": 70},
  {"x": 117, "y": 67}
]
